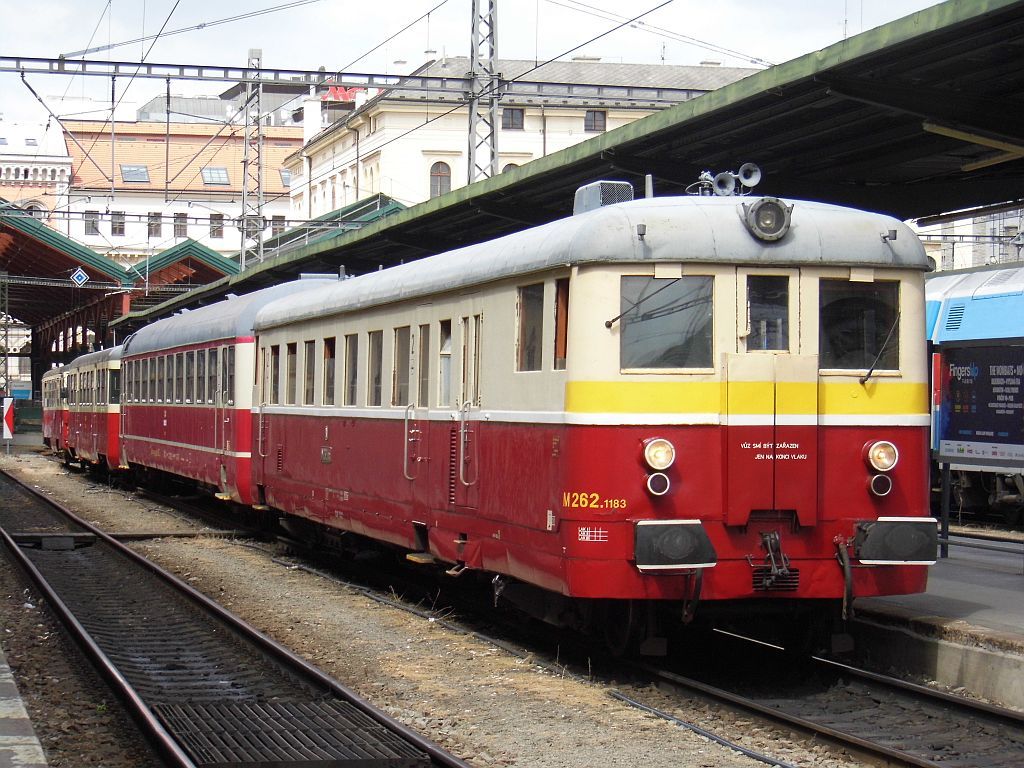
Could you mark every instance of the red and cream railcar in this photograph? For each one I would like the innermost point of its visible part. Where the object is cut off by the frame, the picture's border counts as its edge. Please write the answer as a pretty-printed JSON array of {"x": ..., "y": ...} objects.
[
  {"x": 55, "y": 409},
  {"x": 654, "y": 401},
  {"x": 188, "y": 391},
  {"x": 94, "y": 408}
]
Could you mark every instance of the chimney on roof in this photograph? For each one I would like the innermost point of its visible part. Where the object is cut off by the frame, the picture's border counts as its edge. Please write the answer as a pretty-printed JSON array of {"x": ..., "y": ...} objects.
[{"x": 312, "y": 117}]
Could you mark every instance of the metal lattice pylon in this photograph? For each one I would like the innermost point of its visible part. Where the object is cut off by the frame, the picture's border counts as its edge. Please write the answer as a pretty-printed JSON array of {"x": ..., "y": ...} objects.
[
  {"x": 484, "y": 93},
  {"x": 252, "y": 223}
]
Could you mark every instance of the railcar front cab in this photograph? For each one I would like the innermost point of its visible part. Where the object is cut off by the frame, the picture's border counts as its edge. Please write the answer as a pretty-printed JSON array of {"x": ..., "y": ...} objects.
[{"x": 771, "y": 372}]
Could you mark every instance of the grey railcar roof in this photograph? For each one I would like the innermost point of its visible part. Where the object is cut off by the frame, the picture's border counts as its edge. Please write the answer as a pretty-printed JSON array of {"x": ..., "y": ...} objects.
[
  {"x": 94, "y": 358},
  {"x": 228, "y": 319},
  {"x": 691, "y": 229}
]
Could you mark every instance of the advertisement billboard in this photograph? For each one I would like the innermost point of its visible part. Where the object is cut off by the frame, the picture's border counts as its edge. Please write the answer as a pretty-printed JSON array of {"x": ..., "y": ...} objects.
[{"x": 979, "y": 422}]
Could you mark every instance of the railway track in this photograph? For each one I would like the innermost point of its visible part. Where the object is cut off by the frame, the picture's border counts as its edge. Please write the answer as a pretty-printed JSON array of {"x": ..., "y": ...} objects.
[
  {"x": 901, "y": 722},
  {"x": 847, "y": 707},
  {"x": 205, "y": 688}
]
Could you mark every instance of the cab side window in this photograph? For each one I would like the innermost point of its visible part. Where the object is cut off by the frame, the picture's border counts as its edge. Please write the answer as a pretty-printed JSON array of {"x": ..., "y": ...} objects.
[
  {"x": 665, "y": 322},
  {"x": 859, "y": 325}
]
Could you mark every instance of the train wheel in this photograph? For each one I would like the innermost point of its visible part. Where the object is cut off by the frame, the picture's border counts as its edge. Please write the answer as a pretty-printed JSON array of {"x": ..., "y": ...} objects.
[{"x": 622, "y": 625}]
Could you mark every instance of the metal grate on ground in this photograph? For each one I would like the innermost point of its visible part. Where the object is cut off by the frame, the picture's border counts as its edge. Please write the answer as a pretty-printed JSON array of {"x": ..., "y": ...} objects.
[{"x": 314, "y": 734}]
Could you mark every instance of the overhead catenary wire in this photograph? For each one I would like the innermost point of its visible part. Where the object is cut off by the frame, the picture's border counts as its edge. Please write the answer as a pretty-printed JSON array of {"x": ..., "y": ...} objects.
[
  {"x": 193, "y": 28},
  {"x": 576, "y": 5},
  {"x": 105, "y": 11}
]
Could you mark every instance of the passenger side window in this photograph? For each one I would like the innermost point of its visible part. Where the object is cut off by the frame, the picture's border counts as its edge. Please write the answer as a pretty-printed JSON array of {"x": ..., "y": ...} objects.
[
  {"x": 211, "y": 371},
  {"x": 309, "y": 367},
  {"x": 228, "y": 374},
  {"x": 351, "y": 368},
  {"x": 329, "y": 356},
  {"x": 275, "y": 374},
  {"x": 444, "y": 365},
  {"x": 179, "y": 377},
  {"x": 201, "y": 376},
  {"x": 531, "y": 327},
  {"x": 292, "y": 351},
  {"x": 423, "y": 383},
  {"x": 400, "y": 372},
  {"x": 190, "y": 376},
  {"x": 374, "y": 392}
]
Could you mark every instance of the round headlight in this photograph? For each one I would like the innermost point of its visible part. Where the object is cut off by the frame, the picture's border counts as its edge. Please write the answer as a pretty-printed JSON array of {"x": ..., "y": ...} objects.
[
  {"x": 768, "y": 218},
  {"x": 882, "y": 455},
  {"x": 659, "y": 453}
]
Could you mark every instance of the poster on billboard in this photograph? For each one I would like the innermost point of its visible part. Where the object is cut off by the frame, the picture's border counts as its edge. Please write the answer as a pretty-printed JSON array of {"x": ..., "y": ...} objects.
[{"x": 980, "y": 418}]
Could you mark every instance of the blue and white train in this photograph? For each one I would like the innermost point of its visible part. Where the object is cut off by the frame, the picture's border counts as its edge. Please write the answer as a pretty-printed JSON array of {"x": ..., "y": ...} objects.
[{"x": 975, "y": 323}]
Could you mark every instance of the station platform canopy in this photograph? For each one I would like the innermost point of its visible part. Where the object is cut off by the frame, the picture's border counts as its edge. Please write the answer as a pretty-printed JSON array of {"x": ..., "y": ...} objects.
[
  {"x": 70, "y": 295},
  {"x": 915, "y": 118}
]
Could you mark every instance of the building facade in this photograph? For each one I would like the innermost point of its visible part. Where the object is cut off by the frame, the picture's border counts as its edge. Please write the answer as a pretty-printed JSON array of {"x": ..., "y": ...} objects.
[
  {"x": 141, "y": 188},
  {"x": 963, "y": 243},
  {"x": 413, "y": 145},
  {"x": 35, "y": 168}
]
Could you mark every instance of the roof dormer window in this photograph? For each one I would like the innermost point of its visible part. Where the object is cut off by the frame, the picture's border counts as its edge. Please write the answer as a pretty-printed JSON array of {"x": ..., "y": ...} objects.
[
  {"x": 134, "y": 173},
  {"x": 215, "y": 175}
]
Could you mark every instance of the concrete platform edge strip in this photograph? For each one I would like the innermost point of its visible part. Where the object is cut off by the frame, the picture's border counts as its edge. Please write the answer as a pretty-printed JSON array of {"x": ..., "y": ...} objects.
[{"x": 19, "y": 746}]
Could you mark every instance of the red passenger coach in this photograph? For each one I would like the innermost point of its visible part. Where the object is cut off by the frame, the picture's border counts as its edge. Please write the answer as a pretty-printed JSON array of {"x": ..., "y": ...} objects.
[
  {"x": 643, "y": 406},
  {"x": 55, "y": 409},
  {"x": 94, "y": 411},
  {"x": 188, "y": 393}
]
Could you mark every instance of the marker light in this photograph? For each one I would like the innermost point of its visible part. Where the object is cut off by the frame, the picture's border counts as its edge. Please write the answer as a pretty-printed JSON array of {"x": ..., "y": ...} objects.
[
  {"x": 658, "y": 483},
  {"x": 880, "y": 485},
  {"x": 882, "y": 455},
  {"x": 659, "y": 453}
]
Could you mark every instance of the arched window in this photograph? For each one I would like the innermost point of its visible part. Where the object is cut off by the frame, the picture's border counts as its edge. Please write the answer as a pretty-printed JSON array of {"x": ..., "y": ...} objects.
[{"x": 440, "y": 179}]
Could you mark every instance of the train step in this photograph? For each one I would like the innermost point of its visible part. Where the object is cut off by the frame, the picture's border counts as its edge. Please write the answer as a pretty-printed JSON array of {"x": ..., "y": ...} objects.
[{"x": 421, "y": 558}]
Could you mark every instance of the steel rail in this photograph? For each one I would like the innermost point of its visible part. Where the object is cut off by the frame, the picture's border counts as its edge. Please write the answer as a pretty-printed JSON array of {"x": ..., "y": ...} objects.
[
  {"x": 802, "y": 723},
  {"x": 1010, "y": 717}
]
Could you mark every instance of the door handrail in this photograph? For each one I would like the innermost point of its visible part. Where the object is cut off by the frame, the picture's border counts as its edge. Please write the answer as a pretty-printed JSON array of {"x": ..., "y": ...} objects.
[
  {"x": 407, "y": 438},
  {"x": 463, "y": 439}
]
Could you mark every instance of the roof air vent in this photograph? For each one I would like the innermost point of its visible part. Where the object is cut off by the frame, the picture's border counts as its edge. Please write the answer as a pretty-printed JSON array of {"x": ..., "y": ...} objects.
[{"x": 601, "y": 193}]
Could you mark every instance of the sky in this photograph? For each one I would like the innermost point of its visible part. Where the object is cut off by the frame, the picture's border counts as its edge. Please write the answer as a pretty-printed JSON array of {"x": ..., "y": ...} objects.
[{"x": 394, "y": 36}]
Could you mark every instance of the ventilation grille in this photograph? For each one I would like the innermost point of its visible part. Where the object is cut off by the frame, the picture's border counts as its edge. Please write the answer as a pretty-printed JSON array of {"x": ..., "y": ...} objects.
[
  {"x": 955, "y": 317},
  {"x": 453, "y": 463},
  {"x": 601, "y": 193},
  {"x": 280, "y": 460},
  {"x": 763, "y": 581}
]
